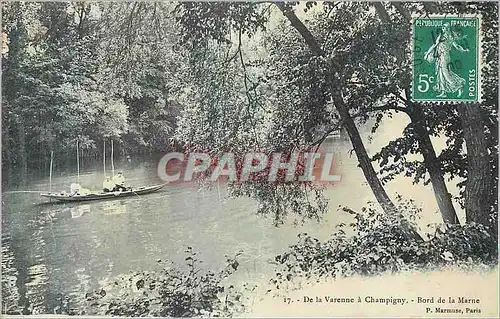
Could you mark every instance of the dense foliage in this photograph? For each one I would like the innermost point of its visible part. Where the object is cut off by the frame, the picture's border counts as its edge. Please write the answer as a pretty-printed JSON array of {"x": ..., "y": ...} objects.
[
  {"x": 61, "y": 84},
  {"x": 291, "y": 90},
  {"x": 50, "y": 95},
  {"x": 171, "y": 291},
  {"x": 373, "y": 244}
]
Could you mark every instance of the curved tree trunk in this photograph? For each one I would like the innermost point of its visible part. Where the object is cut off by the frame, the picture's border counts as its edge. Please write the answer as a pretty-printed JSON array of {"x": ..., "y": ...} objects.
[
  {"x": 364, "y": 160},
  {"x": 431, "y": 162},
  {"x": 479, "y": 168},
  {"x": 433, "y": 166},
  {"x": 357, "y": 143}
]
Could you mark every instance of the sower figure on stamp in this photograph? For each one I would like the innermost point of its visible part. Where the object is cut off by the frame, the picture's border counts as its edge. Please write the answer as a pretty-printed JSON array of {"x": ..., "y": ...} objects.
[{"x": 447, "y": 81}]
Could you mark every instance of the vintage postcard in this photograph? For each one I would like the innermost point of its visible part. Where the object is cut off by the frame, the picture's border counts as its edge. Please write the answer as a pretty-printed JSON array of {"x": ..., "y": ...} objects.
[{"x": 253, "y": 159}]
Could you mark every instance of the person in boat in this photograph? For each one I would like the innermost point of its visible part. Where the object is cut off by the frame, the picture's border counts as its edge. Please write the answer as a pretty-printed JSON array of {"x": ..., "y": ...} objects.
[
  {"x": 74, "y": 189},
  {"x": 119, "y": 183},
  {"x": 107, "y": 185},
  {"x": 77, "y": 189}
]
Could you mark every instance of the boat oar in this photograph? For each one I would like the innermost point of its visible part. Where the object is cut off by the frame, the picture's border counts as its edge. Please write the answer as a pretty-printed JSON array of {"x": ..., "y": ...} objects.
[{"x": 134, "y": 192}]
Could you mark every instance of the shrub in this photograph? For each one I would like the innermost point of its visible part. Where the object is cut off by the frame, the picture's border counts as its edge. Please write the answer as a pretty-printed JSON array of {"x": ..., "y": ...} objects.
[
  {"x": 378, "y": 245},
  {"x": 169, "y": 292}
]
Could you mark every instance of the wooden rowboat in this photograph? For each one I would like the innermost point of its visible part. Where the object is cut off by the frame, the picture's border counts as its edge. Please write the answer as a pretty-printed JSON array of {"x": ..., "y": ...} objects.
[{"x": 98, "y": 196}]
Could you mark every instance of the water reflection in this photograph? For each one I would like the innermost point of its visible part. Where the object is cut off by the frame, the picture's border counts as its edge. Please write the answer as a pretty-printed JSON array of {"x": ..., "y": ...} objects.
[
  {"x": 35, "y": 288},
  {"x": 10, "y": 292},
  {"x": 54, "y": 252},
  {"x": 114, "y": 207},
  {"x": 79, "y": 210},
  {"x": 66, "y": 249}
]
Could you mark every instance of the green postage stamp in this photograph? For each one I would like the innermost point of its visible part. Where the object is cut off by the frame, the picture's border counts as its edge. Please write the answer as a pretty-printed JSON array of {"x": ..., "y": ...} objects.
[{"x": 446, "y": 59}]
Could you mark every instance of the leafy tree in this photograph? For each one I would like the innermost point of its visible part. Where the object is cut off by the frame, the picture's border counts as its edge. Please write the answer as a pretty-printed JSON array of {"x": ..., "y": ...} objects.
[
  {"x": 452, "y": 122},
  {"x": 480, "y": 126},
  {"x": 139, "y": 61},
  {"x": 416, "y": 136},
  {"x": 52, "y": 97},
  {"x": 327, "y": 65}
]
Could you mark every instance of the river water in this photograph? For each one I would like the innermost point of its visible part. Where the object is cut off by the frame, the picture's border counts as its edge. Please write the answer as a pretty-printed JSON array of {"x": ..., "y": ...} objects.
[{"x": 51, "y": 251}]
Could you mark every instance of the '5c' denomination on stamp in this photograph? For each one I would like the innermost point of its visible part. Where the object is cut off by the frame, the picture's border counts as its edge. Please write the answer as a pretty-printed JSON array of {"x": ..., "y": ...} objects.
[{"x": 446, "y": 59}]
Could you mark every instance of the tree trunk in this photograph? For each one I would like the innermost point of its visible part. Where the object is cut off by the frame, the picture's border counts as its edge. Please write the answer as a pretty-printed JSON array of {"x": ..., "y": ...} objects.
[
  {"x": 357, "y": 143},
  {"x": 433, "y": 166},
  {"x": 363, "y": 158},
  {"x": 431, "y": 6},
  {"x": 431, "y": 162},
  {"x": 479, "y": 169},
  {"x": 23, "y": 158},
  {"x": 479, "y": 172}
]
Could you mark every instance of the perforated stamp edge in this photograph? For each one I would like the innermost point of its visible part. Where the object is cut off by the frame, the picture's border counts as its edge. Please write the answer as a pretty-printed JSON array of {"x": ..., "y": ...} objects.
[{"x": 480, "y": 59}]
